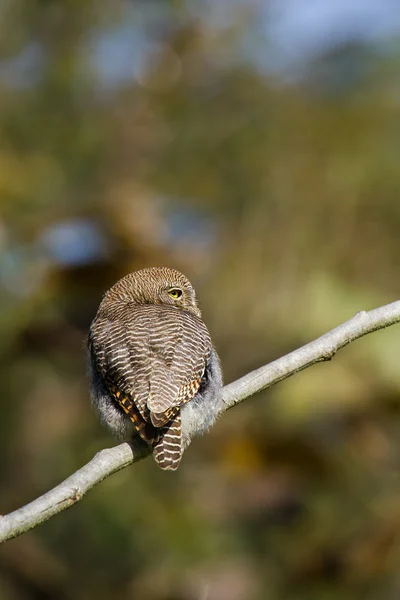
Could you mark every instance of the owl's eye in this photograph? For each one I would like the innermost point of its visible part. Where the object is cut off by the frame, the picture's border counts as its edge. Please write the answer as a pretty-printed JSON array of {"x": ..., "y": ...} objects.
[{"x": 175, "y": 292}]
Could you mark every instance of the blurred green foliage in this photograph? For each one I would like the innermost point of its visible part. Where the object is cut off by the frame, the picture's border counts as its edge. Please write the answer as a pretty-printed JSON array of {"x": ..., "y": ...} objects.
[{"x": 280, "y": 201}]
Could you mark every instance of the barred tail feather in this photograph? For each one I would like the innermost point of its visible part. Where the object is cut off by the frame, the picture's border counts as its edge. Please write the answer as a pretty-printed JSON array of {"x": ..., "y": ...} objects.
[{"x": 168, "y": 450}]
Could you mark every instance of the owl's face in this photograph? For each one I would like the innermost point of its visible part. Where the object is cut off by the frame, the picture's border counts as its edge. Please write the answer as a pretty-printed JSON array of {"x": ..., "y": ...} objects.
[
  {"x": 156, "y": 285},
  {"x": 176, "y": 294}
]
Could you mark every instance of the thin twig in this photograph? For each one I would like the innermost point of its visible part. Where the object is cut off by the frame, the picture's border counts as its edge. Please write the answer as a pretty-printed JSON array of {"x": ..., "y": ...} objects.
[{"x": 109, "y": 461}]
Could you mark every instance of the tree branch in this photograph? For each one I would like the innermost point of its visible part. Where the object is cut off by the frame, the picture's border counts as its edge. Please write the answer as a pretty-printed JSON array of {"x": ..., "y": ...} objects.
[{"x": 111, "y": 460}]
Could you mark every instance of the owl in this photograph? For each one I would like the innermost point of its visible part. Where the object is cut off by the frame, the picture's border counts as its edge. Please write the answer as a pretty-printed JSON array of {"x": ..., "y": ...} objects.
[{"x": 154, "y": 372}]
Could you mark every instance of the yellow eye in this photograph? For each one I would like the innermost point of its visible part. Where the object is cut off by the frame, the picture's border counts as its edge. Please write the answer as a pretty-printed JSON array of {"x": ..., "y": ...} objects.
[{"x": 175, "y": 293}]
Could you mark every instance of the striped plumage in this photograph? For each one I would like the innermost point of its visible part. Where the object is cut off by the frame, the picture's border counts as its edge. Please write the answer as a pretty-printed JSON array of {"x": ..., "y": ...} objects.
[{"x": 150, "y": 355}]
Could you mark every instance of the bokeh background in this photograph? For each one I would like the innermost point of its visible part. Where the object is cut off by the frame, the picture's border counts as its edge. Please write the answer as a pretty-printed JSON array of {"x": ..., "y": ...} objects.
[{"x": 254, "y": 146}]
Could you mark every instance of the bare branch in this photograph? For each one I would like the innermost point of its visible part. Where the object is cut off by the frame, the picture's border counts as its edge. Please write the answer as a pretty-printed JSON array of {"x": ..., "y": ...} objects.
[
  {"x": 71, "y": 490},
  {"x": 112, "y": 460},
  {"x": 322, "y": 349}
]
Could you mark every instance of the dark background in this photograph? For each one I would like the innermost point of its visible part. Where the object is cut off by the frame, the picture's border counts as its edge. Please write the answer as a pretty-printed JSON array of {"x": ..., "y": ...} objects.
[{"x": 254, "y": 146}]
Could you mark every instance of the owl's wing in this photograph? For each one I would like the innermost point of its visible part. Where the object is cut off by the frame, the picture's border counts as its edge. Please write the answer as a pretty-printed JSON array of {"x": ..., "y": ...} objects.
[
  {"x": 121, "y": 360},
  {"x": 178, "y": 364}
]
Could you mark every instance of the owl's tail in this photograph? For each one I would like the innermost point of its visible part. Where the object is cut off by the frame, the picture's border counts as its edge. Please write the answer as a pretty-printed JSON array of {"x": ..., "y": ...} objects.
[{"x": 168, "y": 449}]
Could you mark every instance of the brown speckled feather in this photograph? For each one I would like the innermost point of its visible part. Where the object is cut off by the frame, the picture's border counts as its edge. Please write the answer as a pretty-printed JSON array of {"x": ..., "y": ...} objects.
[{"x": 152, "y": 359}]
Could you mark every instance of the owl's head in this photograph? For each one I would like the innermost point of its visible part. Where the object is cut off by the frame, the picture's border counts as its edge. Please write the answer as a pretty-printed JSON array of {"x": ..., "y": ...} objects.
[{"x": 155, "y": 285}]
